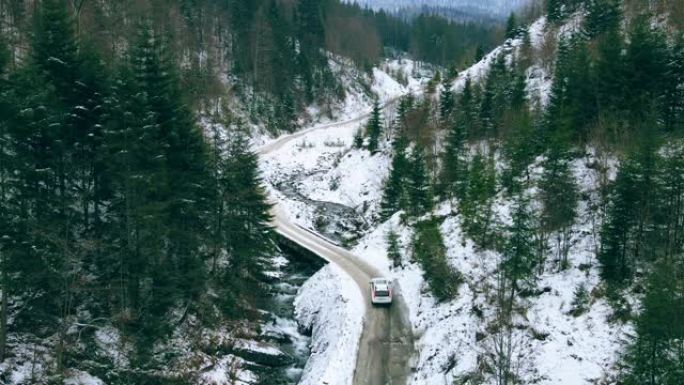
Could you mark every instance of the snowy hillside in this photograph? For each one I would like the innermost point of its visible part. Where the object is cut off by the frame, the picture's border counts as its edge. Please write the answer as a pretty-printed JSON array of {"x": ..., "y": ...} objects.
[
  {"x": 558, "y": 347},
  {"x": 553, "y": 342},
  {"x": 555, "y": 347}
]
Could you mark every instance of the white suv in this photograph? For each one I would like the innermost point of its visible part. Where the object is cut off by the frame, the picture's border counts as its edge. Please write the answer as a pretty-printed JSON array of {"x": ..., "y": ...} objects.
[{"x": 381, "y": 291}]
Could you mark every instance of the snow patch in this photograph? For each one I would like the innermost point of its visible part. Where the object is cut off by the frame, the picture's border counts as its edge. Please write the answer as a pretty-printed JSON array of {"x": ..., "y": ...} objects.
[{"x": 331, "y": 306}]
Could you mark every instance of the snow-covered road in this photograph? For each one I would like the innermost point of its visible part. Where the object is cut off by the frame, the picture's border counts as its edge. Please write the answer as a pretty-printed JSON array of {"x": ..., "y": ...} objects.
[{"x": 386, "y": 343}]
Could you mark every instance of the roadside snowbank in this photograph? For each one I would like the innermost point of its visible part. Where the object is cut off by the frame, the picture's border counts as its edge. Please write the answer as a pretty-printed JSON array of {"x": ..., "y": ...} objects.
[{"x": 331, "y": 306}]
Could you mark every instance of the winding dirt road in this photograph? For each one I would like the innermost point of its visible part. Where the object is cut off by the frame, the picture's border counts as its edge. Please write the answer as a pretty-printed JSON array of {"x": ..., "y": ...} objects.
[{"x": 387, "y": 342}]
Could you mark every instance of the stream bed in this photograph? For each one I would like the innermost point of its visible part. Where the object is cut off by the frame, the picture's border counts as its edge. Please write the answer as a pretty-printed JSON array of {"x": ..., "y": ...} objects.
[{"x": 281, "y": 328}]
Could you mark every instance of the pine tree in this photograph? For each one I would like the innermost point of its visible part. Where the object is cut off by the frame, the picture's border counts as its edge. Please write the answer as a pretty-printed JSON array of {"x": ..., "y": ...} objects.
[
  {"x": 479, "y": 53},
  {"x": 602, "y": 16},
  {"x": 674, "y": 93},
  {"x": 628, "y": 215},
  {"x": 393, "y": 248},
  {"x": 54, "y": 46},
  {"x": 477, "y": 204},
  {"x": 466, "y": 108},
  {"x": 496, "y": 97},
  {"x": 519, "y": 149},
  {"x": 394, "y": 195},
  {"x": 646, "y": 68},
  {"x": 512, "y": 26},
  {"x": 558, "y": 194},
  {"x": 572, "y": 103},
  {"x": 610, "y": 72},
  {"x": 669, "y": 210},
  {"x": 246, "y": 229},
  {"x": 430, "y": 252},
  {"x": 446, "y": 101},
  {"x": 519, "y": 256},
  {"x": 418, "y": 184},
  {"x": 554, "y": 10},
  {"x": 405, "y": 105},
  {"x": 50, "y": 131},
  {"x": 654, "y": 357},
  {"x": 5, "y": 216},
  {"x": 374, "y": 128},
  {"x": 454, "y": 161},
  {"x": 358, "y": 139},
  {"x": 311, "y": 60}
]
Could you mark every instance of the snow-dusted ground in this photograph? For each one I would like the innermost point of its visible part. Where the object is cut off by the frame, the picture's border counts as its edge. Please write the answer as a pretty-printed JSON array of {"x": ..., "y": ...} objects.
[
  {"x": 313, "y": 156},
  {"x": 384, "y": 83},
  {"x": 539, "y": 79},
  {"x": 559, "y": 348},
  {"x": 331, "y": 306}
]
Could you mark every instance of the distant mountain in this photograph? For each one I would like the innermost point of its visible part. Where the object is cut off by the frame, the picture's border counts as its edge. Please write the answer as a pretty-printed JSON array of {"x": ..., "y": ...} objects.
[{"x": 476, "y": 8}]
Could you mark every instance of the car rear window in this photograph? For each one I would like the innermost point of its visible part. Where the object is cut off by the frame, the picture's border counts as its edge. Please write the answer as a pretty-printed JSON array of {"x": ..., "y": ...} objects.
[{"x": 382, "y": 293}]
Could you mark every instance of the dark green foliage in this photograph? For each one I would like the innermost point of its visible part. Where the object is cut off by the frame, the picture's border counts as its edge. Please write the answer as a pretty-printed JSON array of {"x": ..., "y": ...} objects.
[
  {"x": 646, "y": 69},
  {"x": 558, "y": 194},
  {"x": 572, "y": 105},
  {"x": 553, "y": 10},
  {"x": 503, "y": 99},
  {"x": 615, "y": 255},
  {"x": 374, "y": 128},
  {"x": 512, "y": 29},
  {"x": 580, "y": 300},
  {"x": 4, "y": 55},
  {"x": 245, "y": 222},
  {"x": 394, "y": 248},
  {"x": 446, "y": 101},
  {"x": 418, "y": 184},
  {"x": 655, "y": 356},
  {"x": 674, "y": 91},
  {"x": 452, "y": 178},
  {"x": 643, "y": 222},
  {"x": 610, "y": 72},
  {"x": 629, "y": 219},
  {"x": 358, "y": 139},
  {"x": 406, "y": 103},
  {"x": 602, "y": 16},
  {"x": 519, "y": 148},
  {"x": 479, "y": 53},
  {"x": 519, "y": 254},
  {"x": 112, "y": 202},
  {"x": 477, "y": 204},
  {"x": 494, "y": 98},
  {"x": 430, "y": 252},
  {"x": 557, "y": 10},
  {"x": 437, "y": 40},
  {"x": 394, "y": 196}
]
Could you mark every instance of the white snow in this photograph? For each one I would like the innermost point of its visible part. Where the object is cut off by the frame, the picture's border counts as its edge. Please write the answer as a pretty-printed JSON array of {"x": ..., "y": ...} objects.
[
  {"x": 558, "y": 347},
  {"x": 77, "y": 377},
  {"x": 539, "y": 80},
  {"x": 227, "y": 371},
  {"x": 331, "y": 305},
  {"x": 577, "y": 350}
]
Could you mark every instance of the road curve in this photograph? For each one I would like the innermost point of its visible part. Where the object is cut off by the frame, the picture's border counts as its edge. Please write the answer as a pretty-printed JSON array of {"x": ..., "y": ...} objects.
[{"x": 386, "y": 344}]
